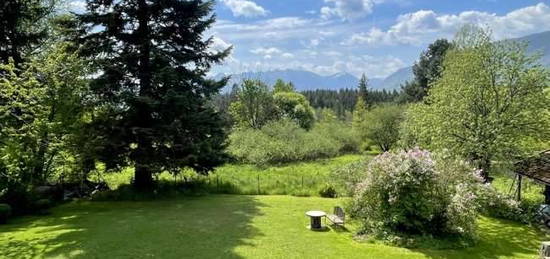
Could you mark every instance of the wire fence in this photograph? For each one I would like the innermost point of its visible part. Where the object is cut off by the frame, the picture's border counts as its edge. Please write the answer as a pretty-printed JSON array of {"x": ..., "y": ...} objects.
[{"x": 301, "y": 185}]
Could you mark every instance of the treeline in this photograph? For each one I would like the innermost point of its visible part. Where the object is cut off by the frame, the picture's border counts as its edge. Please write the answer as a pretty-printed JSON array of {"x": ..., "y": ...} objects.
[{"x": 345, "y": 100}]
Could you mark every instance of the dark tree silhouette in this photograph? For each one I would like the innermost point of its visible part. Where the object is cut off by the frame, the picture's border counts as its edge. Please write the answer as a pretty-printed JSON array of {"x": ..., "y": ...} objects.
[
  {"x": 22, "y": 27},
  {"x": 151, "y": 85},
  {"x": 426, "y": 70}
]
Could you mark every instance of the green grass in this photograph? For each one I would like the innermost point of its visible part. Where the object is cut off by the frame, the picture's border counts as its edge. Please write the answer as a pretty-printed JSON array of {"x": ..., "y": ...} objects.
[
  {"x": 530, "y": 190},
  {"x": 224, "y": 226},
  {"x": 299, "y": 179}
]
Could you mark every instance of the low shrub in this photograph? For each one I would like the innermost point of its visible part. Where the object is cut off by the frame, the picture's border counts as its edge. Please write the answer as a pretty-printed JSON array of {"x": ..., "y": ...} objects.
[
  {"x": 416, "y": 193},
  {"x": 5, "y": 212},
  {"x": 285, "y": 141},
  {"x": 346, "y": 178},
  {"x": 41, "y": 206},
  {"x": 498, "y": 205},
  {"x": 328, "y": 191}
]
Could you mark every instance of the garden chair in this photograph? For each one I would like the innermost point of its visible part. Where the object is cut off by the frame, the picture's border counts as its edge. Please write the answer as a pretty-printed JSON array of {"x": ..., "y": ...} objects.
[{"x": 338, "y": 218}]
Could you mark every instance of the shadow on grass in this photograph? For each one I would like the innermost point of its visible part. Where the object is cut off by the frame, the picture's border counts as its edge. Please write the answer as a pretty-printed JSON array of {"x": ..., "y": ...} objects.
[
  {"x": 205, "y": 227},
  {"x": 497, "y": 239}
]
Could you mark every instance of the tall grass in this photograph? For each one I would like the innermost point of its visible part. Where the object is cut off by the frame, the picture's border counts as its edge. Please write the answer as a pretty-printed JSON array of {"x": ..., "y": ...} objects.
[{"x": 298, "y": 179}]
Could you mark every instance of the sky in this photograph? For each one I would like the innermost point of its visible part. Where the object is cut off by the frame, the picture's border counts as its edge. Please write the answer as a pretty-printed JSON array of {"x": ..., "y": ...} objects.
[{"x": 375, "y": 37}]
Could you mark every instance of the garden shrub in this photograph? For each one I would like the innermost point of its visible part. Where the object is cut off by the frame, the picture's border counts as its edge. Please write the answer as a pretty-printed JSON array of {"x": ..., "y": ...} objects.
[
  {"x": 416, "y": 193},
  {"x": 328, "y": 191},
  {"x": 5, "y": 212},
  {"x": 346, "y": 178},
  {"x": 498, "y": 205},
  {"x": 42, "y": 205},
  {"x": 285, "y": 141}
]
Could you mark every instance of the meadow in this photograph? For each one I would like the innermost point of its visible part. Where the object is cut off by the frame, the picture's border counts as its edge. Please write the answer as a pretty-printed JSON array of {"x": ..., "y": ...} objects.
[{"x": 227, "y": 226}]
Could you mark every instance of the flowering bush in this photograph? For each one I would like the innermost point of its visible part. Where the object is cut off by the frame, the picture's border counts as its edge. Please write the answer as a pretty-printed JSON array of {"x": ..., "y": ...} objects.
[
  {"x": 416, "y": 193},
  {"x": 498, "y": 205}
]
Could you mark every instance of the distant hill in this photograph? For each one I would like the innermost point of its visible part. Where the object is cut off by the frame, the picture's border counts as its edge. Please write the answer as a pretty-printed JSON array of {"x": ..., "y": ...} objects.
[
  {"x": 538, "y": 42},
  {"x": 395, "y": 80},
  {"x": 306, "y": 80},
  {"x": 303, "y": 80}
]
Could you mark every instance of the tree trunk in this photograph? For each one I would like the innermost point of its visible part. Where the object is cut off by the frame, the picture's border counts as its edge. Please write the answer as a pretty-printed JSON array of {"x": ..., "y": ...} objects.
[
  {"x": 143, "y": 174},
  {"x": 546, "y": 194},
  {"x": 143, "y": 178}
]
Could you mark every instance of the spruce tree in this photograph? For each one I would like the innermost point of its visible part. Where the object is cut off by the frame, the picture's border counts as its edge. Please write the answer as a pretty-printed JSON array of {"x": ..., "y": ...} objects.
[
  {"x": 22, "y": 27},
  {"x": 363, "y": 90},
  {"x": 426, "y": 71},
  {"x": 151, "y": 85}
]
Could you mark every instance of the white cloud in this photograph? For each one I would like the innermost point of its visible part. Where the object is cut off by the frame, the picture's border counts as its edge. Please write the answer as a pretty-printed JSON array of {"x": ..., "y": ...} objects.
[
  {"x": 218, "y": 44},
  {"x": 269, "y": 53},
  {"x": 288, "y": 55},
  {"x": 245, "y": 8},
  {"x": 357, "y": 65},
  {"x": 347, "y": 9},
  {"x": 266, "y": 51},
  {"x": 425, "y": 26}
]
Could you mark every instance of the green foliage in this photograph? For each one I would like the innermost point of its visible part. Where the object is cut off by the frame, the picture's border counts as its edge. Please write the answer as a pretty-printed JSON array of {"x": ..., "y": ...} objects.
[
  {"x": 415, "y": 193},
  {"x": 347, "y": 178},
  {"x": 488, "y": 101},
  {"x": 498, "y": 205},
  {"x": 363, "y": 94},
  {"x": 297, "y": 178},
  {"x": 381, "y": 126},
  {"x": 5, "y": 212},
  {"x": 426, "y": 71},
  {"x": 285, "y": 141},
  {"x": 41, "y": 112},
  {"x": 328, "y": 191},
  {"x": 254, "y": 105},
  {"x": 279, "y": 142},
  {"x": 360, "y": 117},
  {"x": 152, "y": 60},
  {"x": 23, "y": 29},
  {"x": 42, "y": 205},
  {"x": 343, "y": 101},
  {"x": 281, "y": 86},
  {"x": 295, "y": 106}
]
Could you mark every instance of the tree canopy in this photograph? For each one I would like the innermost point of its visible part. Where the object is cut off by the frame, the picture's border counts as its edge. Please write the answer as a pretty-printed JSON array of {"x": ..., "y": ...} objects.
[
  {"x": 488, "y": 100},
  {"x": 151, "y": 83},
  {"x": 426, "y": 71}
]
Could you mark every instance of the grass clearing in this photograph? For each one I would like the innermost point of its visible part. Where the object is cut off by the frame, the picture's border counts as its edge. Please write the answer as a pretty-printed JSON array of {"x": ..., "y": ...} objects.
[
  {"x": 225, "y": 226},
  {"x": 299, "y": 178}
]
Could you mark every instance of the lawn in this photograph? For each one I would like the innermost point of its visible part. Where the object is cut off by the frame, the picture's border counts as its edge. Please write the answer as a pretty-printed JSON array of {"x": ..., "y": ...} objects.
[{"x": 224, "y": 226}]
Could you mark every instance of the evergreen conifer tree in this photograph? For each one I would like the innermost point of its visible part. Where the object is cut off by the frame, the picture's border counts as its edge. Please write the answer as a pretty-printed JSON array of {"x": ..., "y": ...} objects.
[{"x": 151, "y": 85}]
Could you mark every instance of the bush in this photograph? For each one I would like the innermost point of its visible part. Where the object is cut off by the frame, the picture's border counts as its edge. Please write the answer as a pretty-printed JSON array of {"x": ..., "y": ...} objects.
[
  {"x": 41, "y": 206},
  {"x": 5, "y": 212},
  {"x": 497, "y": 205},
  {"x": 347, "y": 177},
  {"x": 416, "y": 193},
  {"x": 327, "y": 191},
  {"x": 284, "y": 141}
]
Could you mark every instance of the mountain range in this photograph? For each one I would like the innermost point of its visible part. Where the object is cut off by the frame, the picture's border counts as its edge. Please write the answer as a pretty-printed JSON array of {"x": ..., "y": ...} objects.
[{"x": 306, "y": 80}]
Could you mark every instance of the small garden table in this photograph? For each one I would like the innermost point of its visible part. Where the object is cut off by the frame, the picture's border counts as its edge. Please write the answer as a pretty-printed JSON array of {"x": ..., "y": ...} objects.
[{"x": 315, "y": 217}]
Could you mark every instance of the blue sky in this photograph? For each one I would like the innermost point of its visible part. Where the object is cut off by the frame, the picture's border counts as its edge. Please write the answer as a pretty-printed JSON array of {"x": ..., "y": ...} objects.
[{"x": 376, "y": 37}]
